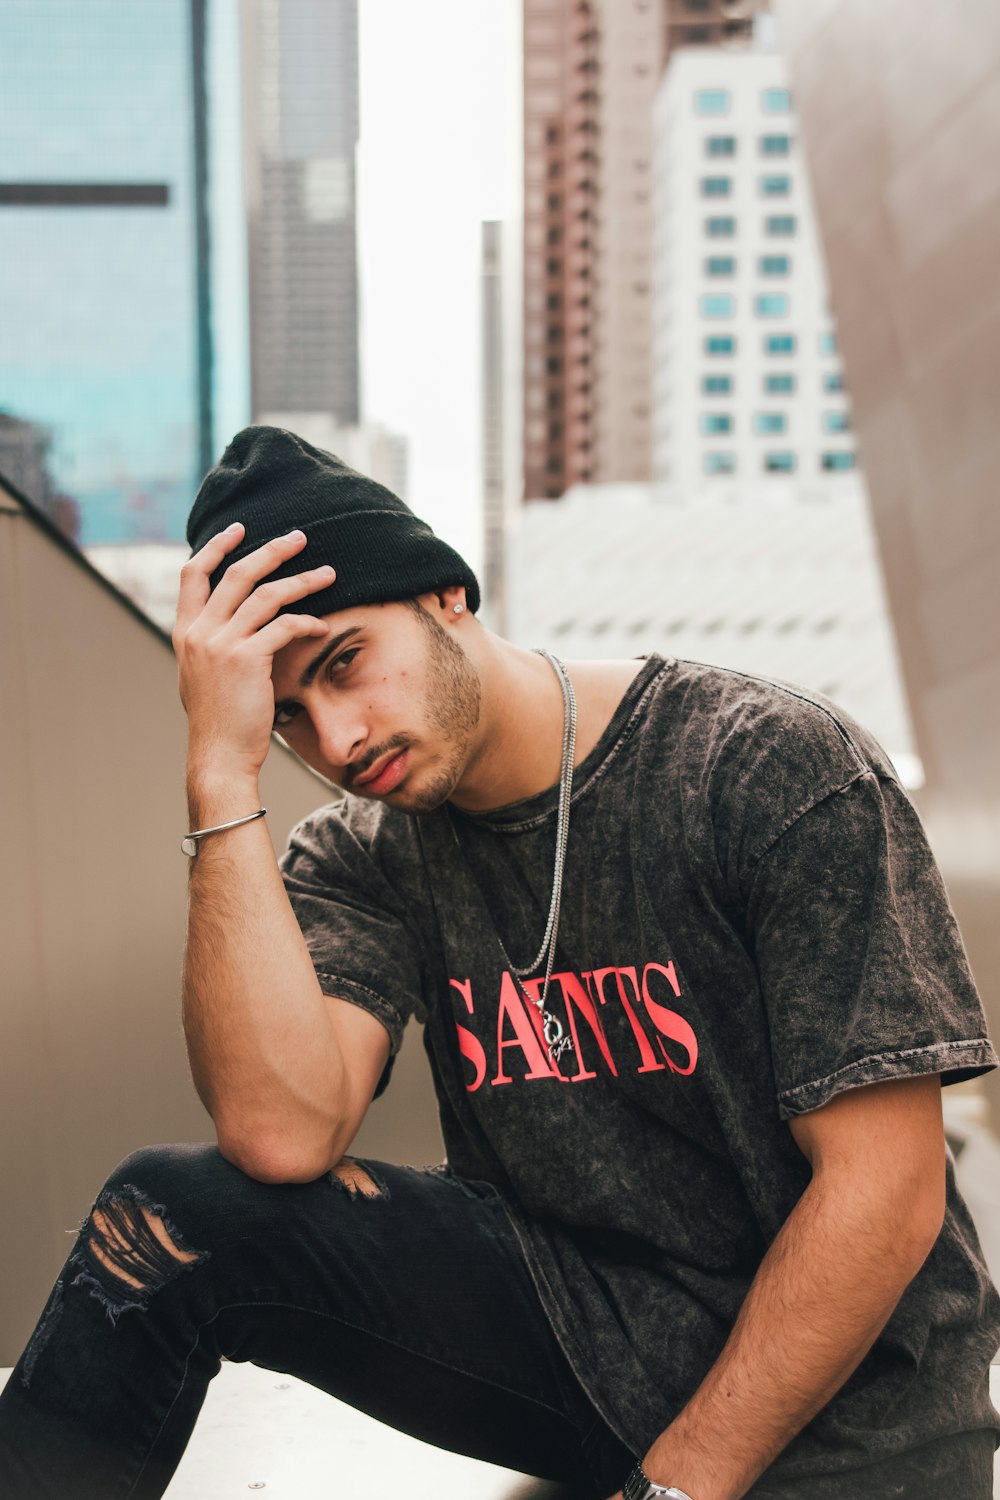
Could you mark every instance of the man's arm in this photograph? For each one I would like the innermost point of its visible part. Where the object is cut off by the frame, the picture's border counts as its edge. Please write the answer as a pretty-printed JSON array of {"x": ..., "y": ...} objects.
[
  {"x": 285, "y": 1071},
  {"x": 823, "y": 1292}
]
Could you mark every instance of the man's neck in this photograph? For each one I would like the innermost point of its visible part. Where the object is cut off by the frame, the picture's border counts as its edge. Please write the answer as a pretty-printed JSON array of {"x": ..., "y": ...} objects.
[{"x": 518, "y": 748}]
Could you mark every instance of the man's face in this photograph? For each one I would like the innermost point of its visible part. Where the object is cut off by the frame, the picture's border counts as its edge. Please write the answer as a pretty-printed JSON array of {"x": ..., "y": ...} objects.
[{"x": 386, "y": 705}]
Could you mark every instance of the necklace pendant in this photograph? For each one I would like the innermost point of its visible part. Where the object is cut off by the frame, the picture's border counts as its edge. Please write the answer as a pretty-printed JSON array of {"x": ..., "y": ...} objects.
[
  {"x": 556, "y": 1049},
  {"x": 555, "y": 1039}
]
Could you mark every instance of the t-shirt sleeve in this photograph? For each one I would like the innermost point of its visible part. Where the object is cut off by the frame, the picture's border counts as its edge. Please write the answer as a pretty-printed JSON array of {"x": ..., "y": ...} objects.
[
  {"x": 355, "y": 921},
  {"x": 861, "y": 965}
]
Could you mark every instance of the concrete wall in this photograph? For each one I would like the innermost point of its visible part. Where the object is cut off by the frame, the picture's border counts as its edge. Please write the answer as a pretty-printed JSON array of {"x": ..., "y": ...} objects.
[
  {"x": 900, "y": 110},
  {"x": 92, "y": 906}
]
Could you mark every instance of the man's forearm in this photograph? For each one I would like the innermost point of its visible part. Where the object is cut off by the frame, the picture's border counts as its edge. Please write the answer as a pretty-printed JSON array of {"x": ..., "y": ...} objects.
[
  {"x": 822, "y": 1294},
  {"x": 263, "y": 1048}
]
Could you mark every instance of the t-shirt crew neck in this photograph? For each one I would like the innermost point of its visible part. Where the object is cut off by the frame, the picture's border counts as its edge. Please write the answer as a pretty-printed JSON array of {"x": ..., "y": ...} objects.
[
  {"x": 751, "y": 923},
  {"x": 515, "y": 816}
]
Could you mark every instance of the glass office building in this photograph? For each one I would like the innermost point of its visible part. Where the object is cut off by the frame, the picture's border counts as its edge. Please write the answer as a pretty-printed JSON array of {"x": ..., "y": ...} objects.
[{"x": 104, "y": 276}]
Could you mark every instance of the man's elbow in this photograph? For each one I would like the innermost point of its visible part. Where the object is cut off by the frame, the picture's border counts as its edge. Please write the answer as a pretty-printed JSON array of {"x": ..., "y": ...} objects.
[
  {"x": 917, "y": 1220},
  {"x": 278, "y": 1159}
]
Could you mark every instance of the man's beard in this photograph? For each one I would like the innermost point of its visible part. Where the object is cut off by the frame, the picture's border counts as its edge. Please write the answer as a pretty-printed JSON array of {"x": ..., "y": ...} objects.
[{"x": 452, "y": 703}]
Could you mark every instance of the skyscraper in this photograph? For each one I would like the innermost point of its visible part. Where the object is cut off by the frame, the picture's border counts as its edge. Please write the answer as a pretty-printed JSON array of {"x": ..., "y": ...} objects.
[
  {"x": 104, "y": 301},
  {"x": 747, "y": 380},
  {"x": 492, "y": 383},
  {"x": 560, "y": 194},
  {"x": 708, "y": 23},
  {"x": 591, "y": 71},
  {"x": 301, "y": 132}
]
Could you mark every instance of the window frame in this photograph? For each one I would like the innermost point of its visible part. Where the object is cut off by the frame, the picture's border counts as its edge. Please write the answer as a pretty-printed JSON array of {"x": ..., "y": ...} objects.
[
  {"x": 724, "y": 95},
  {"x": 705, "y": 311},
  {"x": 782, "y": 307}
]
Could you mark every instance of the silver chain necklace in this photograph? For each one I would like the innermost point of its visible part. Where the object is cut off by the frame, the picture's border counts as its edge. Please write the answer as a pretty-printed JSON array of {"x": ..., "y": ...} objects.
[{"x": 556, "y": 1040}]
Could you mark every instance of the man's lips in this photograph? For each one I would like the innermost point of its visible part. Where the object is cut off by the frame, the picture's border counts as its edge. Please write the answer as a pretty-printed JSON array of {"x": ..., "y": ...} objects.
[{"x": 385, "y": 774}]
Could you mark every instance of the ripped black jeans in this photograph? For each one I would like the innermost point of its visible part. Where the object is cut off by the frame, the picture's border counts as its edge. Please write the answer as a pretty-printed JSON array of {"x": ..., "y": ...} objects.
[{"x": 401, "y": 1292}]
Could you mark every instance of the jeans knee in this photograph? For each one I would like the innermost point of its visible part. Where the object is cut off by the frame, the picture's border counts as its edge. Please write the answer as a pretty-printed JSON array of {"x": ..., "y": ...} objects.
[{"x": 138, "y": 1236}]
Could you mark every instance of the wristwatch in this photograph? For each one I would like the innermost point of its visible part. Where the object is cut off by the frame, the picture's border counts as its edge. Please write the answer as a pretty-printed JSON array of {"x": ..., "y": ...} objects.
[{"x": 639, "y": 1486}]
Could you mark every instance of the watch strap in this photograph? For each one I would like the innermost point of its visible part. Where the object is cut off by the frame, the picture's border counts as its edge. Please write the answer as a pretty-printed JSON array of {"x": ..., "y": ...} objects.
[{"x": 639, "y": 1486}]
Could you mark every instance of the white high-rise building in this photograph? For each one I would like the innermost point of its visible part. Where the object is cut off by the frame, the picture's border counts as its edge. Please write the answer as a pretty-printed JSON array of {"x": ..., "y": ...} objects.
[{"x": 746, "y": 378}]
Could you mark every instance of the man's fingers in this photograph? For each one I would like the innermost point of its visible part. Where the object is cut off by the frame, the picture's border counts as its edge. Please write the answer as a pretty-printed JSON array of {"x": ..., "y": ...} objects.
[
  {"x": 242, "y": 578},
  {"x": 288, "y": 628},
  {"x": 194, "y": 591},
  {"x": 265, "y": 601}
]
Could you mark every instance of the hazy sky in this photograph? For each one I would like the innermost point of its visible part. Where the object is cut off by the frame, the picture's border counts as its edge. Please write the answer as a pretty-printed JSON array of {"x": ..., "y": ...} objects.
[{"x": 438, "y": 154}]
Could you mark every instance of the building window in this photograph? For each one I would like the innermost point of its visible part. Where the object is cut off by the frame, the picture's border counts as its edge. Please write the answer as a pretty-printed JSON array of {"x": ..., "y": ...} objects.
[
  {"x": 720, "y": 344},
  {"x": 720, "y": 145},
  {"x": 837, "y": 462},
  {"x": 828, "y": 343},
  {"x": 716, "y": 187},
  {"x": 779, "y": 343},
  {"x": 779, "y": 385},
  {"x": 718, "y": 463},
  {"x": 711, "y": 102},
  {"x": 720, "y": 265},
  {"x": 716, "y": 421},
  {"x": 697, "y": 36},
  {"x": 833, "y": 380},
  {"x": 836, "y": 421},
  {"x": 776, "y": 101},
  {"x": 779, "y": 463},
  {"x": 780, "y": 224},
  {"x": 721, "y": 227},
  {"x": 769, "y": 421},
  {"x": 771, "y": 305},
  {"x": 775, "y": 145},
  {"x": 717, "y": 385},
  {"x": 775, "y": 265},
  {"x": 553, "y": 365},
  {"x": 775, "y": 186},
  {"x": 697, "y": 4},
  {"x": 717, "y": 305}
]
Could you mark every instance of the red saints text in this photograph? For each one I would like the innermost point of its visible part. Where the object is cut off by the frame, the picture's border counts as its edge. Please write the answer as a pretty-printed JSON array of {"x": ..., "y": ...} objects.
[{"x": 663, "y": 1040}]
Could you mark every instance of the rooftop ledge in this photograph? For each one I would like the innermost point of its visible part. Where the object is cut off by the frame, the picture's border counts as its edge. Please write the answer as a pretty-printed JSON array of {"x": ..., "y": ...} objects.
[{"x": 262, "y": 1431}]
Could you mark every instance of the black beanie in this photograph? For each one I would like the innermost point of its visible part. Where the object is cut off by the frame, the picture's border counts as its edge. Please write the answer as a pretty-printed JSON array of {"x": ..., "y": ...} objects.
[{"x": 275, "y": 482}]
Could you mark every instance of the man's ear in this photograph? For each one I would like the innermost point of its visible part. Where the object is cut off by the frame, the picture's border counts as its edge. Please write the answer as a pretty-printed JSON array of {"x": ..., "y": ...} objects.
[{"x": 447, "y": 605}]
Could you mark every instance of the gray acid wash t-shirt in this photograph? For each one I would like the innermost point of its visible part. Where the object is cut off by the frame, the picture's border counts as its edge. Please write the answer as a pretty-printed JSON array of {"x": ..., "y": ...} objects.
[{"x": 751, "y": 923}]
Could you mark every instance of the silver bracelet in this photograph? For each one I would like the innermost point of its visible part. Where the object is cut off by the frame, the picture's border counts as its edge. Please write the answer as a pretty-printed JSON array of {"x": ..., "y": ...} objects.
[{"x": 190, "y": 842}]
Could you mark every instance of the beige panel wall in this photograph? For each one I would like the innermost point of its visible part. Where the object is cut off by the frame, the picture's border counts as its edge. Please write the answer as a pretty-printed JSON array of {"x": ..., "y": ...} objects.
[
  {"x": 92, "y": 901},
  {"x": 900, "y": 107}
]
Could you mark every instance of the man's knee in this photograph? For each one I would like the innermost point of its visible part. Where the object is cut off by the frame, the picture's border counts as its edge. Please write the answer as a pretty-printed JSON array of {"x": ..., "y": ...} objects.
[{"x": 138, "y": 1237}]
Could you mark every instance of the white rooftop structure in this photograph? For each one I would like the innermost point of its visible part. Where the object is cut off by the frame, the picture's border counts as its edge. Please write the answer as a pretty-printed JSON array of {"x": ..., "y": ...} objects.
[
  {"x": 746, "y": 376},
  {"x": 148, "y": 572},
  {"x": 777, "y": 580}
]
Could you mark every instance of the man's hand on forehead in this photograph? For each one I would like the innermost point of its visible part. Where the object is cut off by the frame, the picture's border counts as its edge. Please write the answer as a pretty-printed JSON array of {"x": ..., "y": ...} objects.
[{"x": 226, "y": 640}]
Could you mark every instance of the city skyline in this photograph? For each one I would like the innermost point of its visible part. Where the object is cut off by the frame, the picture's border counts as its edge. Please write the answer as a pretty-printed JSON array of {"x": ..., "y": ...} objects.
[{"x": 103, "y": 228}]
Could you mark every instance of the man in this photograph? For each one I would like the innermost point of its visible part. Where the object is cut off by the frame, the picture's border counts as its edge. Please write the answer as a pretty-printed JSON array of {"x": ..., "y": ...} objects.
[{"x": 690, "y": 987}]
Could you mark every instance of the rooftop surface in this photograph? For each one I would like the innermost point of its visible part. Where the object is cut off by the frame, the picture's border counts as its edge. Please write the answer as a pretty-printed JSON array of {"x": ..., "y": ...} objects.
[{"x": 267, "y": 1433}]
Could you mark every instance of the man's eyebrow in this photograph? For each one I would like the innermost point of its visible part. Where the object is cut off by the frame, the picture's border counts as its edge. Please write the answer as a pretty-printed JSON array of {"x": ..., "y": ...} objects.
[{"x": 327, "y": 651}]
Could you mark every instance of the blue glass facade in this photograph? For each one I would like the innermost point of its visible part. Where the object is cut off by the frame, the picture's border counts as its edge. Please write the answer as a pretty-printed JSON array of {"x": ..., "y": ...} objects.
[{"x": 104, "y": 286}]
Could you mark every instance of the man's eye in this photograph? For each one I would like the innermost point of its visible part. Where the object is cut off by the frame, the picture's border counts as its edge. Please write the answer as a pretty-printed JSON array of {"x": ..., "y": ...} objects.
[
  {"x": 343, "y": 660},
  {"x": 285, "y": 714}
]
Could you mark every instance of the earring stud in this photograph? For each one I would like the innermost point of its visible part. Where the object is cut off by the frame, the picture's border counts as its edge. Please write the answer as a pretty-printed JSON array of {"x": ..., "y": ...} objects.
[{"x": 458, "y": 609}]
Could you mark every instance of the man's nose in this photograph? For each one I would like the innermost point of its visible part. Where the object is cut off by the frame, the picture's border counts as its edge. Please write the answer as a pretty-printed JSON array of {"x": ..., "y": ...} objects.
[{"x": 340, "y": 736}]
